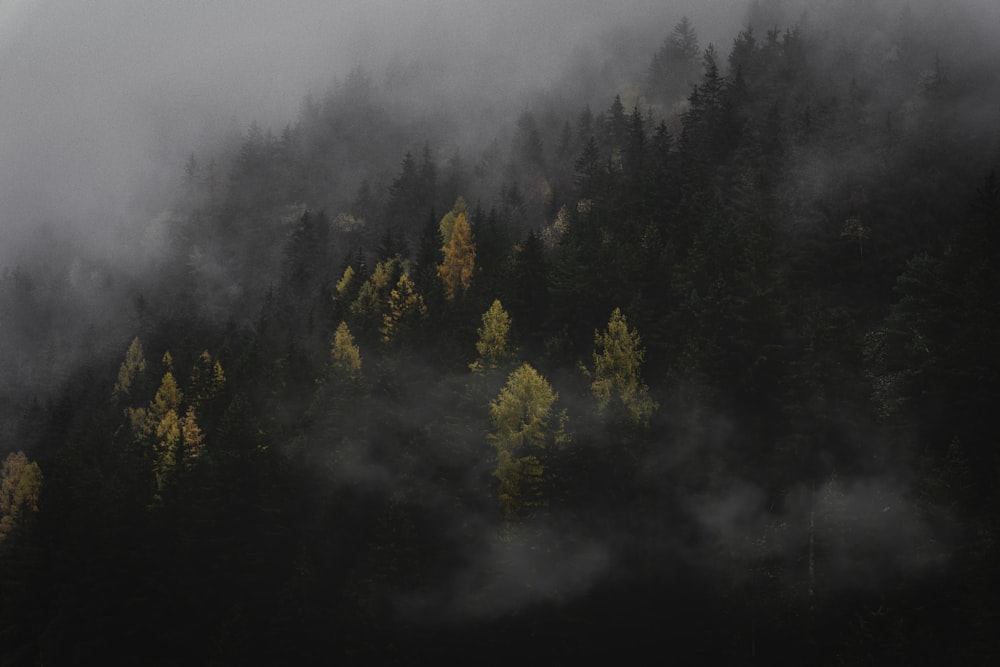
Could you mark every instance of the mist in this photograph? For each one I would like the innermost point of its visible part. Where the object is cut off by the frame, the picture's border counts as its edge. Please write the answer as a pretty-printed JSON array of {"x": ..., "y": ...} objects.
[
  {"x": 102, "y": 102},
  {"x": 797, "y": 224}
]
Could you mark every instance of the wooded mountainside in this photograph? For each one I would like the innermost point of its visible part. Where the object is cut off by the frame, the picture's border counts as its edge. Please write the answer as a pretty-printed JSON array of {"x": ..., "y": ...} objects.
[{"x": 705, "y": 372}]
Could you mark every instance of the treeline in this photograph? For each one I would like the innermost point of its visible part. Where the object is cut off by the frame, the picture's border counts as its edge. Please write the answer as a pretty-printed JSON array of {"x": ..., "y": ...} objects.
[{"x": 709, "y": 369}]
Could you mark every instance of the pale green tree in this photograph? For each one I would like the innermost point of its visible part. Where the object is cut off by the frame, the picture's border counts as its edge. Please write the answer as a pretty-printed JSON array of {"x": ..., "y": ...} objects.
[
  {"x": 617, "y": 378},
  {"x": 493, "y": 345},
  {"x": 526, "y": 428}
]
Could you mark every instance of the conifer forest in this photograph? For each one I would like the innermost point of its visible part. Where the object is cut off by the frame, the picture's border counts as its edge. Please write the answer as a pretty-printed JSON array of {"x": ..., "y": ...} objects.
[{"x": 684, "y": 349}]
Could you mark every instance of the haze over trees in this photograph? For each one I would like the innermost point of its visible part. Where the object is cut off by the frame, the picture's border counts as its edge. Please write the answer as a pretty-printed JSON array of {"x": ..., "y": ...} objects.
[{"x": 699, "y": 363}]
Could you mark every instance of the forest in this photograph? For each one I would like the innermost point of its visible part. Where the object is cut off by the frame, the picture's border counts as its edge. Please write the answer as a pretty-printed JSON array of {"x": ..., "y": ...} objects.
[{"x": 697, "y": 367}]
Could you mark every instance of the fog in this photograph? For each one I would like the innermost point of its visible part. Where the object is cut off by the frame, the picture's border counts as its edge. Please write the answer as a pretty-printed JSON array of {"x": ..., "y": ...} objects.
[
  {"x": 101, "y": 104},
  {"x": 101, "y": 101}
]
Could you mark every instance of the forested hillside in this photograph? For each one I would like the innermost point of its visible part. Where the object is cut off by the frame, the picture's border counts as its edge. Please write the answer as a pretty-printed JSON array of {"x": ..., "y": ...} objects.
[{"x": 705, "y": 370}]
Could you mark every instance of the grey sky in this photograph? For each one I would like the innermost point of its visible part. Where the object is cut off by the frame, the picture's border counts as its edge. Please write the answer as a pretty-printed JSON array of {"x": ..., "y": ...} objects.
[{"x": 100, "y": 98}]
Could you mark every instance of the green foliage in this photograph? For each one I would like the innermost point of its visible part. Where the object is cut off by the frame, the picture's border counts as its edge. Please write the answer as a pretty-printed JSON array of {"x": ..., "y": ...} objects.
[
  {"x": 207, "y": 379},
  {"x": 525, "y": 429},
  {"x": 731, "y": 227},
  {"x": 493, "y": 345},
  {"x": 372, "y": 303},
  {"x": 617, "y": 383}
]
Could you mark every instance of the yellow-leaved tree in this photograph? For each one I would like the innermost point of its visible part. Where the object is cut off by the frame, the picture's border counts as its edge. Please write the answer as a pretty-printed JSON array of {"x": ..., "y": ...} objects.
[
  {"x": 493, "y": 345},
  {"x": 130, "y": 370},
  {"x": 345, "y": 357},
  {"x": 447, "y": 224},
  {"x": 170, "y": 429},
  {"x": 20, "y": 487},
  {"x": 459, "y": 262},
  {"x": 406, "y": 309},
  {"x": 617, "y": 378},
  {"x": 526, "y": 428}
]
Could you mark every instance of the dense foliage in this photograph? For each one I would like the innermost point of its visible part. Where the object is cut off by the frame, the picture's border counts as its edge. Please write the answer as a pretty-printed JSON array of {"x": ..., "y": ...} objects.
[{"x": 708, "y": 374}]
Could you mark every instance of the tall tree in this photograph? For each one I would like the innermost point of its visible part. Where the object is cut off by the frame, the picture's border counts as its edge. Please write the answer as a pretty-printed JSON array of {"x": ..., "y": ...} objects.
[
  {"x": 493, "y": 345},
  {"x": 674, "y": 65},
  {"x": 406, "y": 309},
  {"x": 459, "y": 263},
  {"x": 345, "y": 357},
  {"x": 525, "y": 430},
  {"x": 131, "y": 369},
  {"x": 447, "y": 225},
  {"x": 617, "y": 383},
  {"x": 207, "y": 379}
]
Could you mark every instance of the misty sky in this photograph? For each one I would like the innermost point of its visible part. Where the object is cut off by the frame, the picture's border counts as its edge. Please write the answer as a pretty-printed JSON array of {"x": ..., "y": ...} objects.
[{"x": 100, "y": 99}]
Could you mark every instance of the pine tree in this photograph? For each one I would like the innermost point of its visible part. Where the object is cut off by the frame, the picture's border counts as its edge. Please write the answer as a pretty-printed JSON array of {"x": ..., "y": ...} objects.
[
  {"x": 345, "y": 357},
  {"x": 683, "y": 41},
  {"x": 618, "y": 358},
  {"x": 447, "y": 225},
  {"x": 459, "y": 259},
  {"x": 525, "y": 429},
  {"x": 192, "y": 437},
  {"x": 369, "y": 308},
  {"x": 20, "y": 488},
  {"x": 406, "y": 308},
  {"x": 207, "y": 379},
  {"x": 131, "y": 369},
  {"x": 493, "y": 345}
]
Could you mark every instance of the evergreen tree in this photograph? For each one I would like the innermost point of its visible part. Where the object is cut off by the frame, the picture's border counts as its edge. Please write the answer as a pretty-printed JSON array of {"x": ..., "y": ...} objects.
[
  {"x": 525, "y": 430},
  {"x": 20, "y": 488},
  {"x": 617, "y": 381},
  {"x": 447, "y": 225},
  {"x": 132, "y": 368},
  {"x": 493, "y": 345},
  {"x": 345, "y": 356},
  {"x": 406, "y": 310},
  {"x": 674, "y": 65},
  {"x": 192, "y": 438},
  {"x": 530, "y": 296},
  {"x": 207, "y": 379},
  {"x": 456, "y": 270}
]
